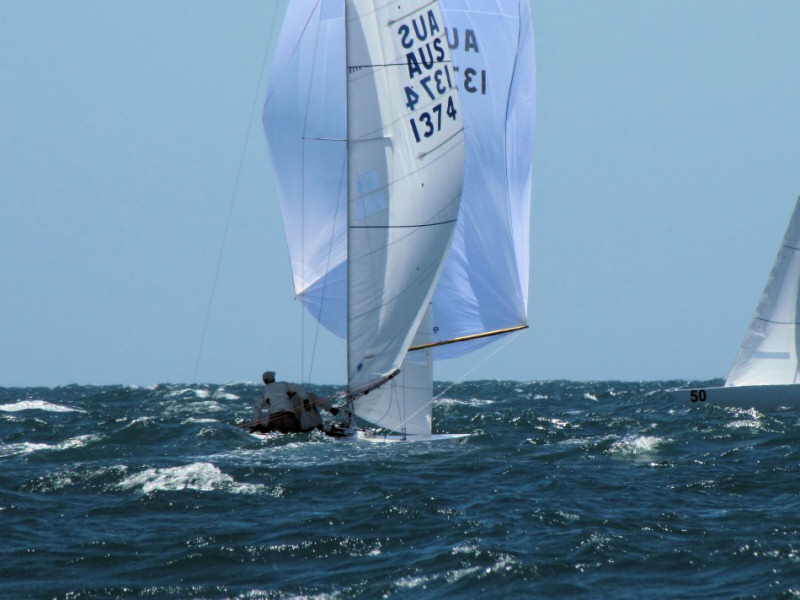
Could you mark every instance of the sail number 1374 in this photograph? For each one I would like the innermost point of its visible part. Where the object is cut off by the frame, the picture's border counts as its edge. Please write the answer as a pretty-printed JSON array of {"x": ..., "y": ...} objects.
[{"x": 429, "y": 122}]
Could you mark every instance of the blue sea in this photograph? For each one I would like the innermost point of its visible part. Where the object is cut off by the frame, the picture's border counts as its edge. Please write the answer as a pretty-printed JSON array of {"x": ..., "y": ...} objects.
[{"x": 563, "y": 490}]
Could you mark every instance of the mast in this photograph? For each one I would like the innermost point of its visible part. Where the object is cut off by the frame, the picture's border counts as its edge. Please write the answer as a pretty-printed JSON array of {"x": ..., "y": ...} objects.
[{"x": 349, "y": 393}]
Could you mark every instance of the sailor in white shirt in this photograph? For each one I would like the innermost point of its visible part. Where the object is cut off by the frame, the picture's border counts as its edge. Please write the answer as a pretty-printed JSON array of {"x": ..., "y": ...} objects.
[{"x": 290, "y": 407}]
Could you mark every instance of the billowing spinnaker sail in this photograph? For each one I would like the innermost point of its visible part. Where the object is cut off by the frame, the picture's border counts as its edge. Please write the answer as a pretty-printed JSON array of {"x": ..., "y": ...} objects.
[
  {"x": 305, "y": 125},
  {"x": 484, "y": 286},
  {"x": 485, "y": 283},
  {"x": 769, "y": 353},
  {"x": 405, "y": 169}
]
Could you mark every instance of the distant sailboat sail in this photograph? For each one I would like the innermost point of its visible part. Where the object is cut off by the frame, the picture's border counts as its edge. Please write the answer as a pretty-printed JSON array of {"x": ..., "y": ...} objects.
[
  {"x": 483, "y": 288},
  {"x": 769, "y": 353},
  {"x": 766, "y": 371}
]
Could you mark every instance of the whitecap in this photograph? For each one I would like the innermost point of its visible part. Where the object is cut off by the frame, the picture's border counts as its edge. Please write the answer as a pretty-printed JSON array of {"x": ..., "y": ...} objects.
[
  {"x": 30, "y": 447},
  {"x": 205, "y": 406},
  {"x": 466, "y": 548},
  {"x": 201, "y": 476},
  {"x": 455, "y": 402},
  {"x": 413, "y": 582},
  {"x": 37, "y": 405},
  {"x": 77, "y": 442},
  {"x": 21, "y": 448},
  {"x": 202, "y": 394},
  {"x": 752, "y": 419},
  {"x": 636, "y": 444}
]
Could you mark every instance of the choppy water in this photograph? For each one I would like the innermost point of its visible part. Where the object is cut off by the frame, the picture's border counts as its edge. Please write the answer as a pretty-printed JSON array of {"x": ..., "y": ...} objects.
[{"x": 565, "y": 490}]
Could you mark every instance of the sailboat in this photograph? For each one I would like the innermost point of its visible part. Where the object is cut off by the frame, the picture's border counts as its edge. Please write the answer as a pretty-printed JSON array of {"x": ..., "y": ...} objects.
[
  {"x": 400, "y": 135},
  {"x": 766, "y": 373}
]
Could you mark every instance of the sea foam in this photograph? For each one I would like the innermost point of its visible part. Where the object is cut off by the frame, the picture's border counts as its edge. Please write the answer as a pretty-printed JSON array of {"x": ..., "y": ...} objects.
[
  {"x": 37, "y": 405},
  {"x": 201, "y": 476}
]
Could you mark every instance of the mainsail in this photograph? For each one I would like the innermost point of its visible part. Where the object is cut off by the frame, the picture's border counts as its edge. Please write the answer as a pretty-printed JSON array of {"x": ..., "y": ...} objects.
[
  {"x": 769, "y": 353},
  {"x": 483, "y": 287},
  {"x": 405, "y": 167}
]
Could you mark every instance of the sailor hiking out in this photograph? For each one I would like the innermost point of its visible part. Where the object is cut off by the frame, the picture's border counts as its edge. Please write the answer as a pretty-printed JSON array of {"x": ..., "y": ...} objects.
[{"x": 290, "y": 408}]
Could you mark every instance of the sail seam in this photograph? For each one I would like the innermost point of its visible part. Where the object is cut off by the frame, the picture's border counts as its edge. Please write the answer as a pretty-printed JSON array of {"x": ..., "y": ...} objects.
[
  {"x": 271, "y": 89},
  {"x": 355, "y": 68},
  {"x": 401, "y": 226},
  {"x": 444, "y": 142},
  {"x": 777, "y": 322},
  {"x": 420, "y": 9},
  {"x": 511, "y": 82},
  {"x": 323, "y": 139}
]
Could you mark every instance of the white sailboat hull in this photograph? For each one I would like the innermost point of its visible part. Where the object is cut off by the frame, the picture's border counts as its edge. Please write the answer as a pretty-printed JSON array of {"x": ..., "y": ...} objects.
[
  {"x": 761, "y": 397},
  {"x": 352, "y": 434}
]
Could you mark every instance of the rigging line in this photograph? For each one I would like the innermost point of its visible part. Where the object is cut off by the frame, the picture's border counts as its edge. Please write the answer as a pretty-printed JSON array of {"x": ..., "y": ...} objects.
[
  {"x": 234, "y": 193},
  {"x": 771, "y": 322},
  {"x": 303, "y": 217},
  {"x": 401, "y": 62},
  {"x": 327, "y": 270},
  {"x": 510, "y": 339},
  {"x": 413, "y": 226}
]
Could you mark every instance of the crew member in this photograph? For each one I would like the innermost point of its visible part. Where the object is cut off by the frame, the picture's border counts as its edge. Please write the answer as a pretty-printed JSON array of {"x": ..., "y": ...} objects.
[{"x": 291, "y": 408}]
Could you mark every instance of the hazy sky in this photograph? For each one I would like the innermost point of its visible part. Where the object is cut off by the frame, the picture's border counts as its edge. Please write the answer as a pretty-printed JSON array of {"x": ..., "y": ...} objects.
[{"x": 666, "y": 166}]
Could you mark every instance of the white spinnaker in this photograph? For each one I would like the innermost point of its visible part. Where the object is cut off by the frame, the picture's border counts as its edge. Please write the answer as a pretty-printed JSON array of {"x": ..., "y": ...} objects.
[
  {"x": 769, "y": 353},
  {"x": 306, "y": 129},
  {"x": 484, "y": 286},
  {"x": 405, "y": 169}
]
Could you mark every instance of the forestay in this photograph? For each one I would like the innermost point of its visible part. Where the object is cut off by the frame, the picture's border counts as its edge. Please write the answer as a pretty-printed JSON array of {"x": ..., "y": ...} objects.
[{"x": 769, "y": 353}]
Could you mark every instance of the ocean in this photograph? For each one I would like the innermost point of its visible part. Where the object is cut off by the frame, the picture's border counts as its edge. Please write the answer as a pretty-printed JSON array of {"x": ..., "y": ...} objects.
[{"x": 563, "y": 490}]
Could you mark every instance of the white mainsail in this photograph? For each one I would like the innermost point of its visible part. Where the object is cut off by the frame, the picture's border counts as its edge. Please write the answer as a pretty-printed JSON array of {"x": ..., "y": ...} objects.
[
  {"x": 769, "y": 353},
  {"x": 404, "y": 404},
  {"x": 405, "y": 167},
  {"x": 765, "y": 374},
  {"x": 484, "y": 285}
]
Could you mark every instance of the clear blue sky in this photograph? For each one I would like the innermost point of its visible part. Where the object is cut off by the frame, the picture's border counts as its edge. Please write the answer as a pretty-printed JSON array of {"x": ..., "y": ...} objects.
[{"x": 666, "y": 166}]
